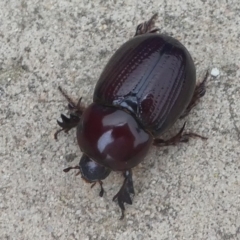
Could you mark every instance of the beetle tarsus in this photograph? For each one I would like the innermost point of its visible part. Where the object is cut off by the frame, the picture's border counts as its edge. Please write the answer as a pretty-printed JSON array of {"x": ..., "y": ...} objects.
[
  {"x": 180, "y": 137},
  {"x": 123, "y": 196},
  {"x": 147, "y": 27},
  {"x": 199, "y": 92}
]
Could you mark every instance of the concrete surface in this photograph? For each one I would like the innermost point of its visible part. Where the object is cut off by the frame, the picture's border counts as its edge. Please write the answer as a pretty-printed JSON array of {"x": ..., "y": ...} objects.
[{"x": 189, "y": 191}]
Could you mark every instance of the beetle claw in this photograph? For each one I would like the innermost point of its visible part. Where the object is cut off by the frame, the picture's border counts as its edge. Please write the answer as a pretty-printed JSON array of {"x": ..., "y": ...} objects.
[{"x": 123, "y": 196}]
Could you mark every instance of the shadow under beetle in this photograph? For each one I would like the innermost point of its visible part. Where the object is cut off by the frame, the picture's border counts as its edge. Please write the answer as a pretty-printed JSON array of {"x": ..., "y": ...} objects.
[{"x": 147, "y": 85}]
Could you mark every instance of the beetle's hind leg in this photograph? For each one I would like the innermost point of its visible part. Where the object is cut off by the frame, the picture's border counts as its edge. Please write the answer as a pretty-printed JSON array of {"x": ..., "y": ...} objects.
[
  {"x": 123, "y": 196},
  {"x": 199, "y": 92},
  {"x": 147, "y": 27},
  {"x": 76, "y": 111},
  {"x": 180, "y": 137}
]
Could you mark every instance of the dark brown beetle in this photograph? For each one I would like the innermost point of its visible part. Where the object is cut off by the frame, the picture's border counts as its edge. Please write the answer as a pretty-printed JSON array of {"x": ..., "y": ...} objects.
[{"x": 146, "y": 86}]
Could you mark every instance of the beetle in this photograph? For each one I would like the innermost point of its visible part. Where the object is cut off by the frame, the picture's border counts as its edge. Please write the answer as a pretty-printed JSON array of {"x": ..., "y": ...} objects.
[{"x": 147, "y": 85}]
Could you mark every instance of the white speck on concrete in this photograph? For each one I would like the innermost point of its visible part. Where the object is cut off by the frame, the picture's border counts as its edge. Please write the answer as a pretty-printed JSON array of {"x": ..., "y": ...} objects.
[{"x": 215, "y": 72}]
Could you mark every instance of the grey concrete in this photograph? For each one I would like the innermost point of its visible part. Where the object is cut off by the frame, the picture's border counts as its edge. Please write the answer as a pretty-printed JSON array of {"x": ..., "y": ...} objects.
[{"x": 189, "y": 191}]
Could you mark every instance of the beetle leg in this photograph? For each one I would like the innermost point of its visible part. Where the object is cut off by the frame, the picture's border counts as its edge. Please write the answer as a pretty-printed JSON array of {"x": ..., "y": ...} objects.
[
  {"x": 147, "y": 27},
  {"x": 73, "y": 120},
  {"x": 123, "y": 196},
  {"x": 102, "y": 190},
  {"x": 180, "y": 137},
  {"x": 67, "y": 123},
  {"x": 70, "y": 168},
  {"x": 199, "y": 92}
]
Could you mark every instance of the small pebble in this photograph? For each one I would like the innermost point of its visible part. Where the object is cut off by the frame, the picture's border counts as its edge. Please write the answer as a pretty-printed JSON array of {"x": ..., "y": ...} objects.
[{"x": 215, "y": 72}]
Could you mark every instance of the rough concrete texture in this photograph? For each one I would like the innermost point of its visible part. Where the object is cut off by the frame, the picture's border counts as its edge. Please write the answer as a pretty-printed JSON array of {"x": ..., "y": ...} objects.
[{"x": 189, "y": 191}]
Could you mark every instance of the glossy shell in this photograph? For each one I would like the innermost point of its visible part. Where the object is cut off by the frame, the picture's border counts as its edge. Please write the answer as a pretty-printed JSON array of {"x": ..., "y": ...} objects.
[
  {"x": 152, "y": 76},
  {"x": 112, "y": 137}
]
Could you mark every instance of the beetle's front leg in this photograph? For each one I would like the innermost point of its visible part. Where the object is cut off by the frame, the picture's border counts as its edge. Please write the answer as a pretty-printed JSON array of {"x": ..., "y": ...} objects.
[
  {"x": 180, "y": 137},
  {"x": 67, "y": 123},
  {"x": 75, "y": 115},
  {"x": 123, "y": 196},
  {"x": 147, "y": 27}
]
